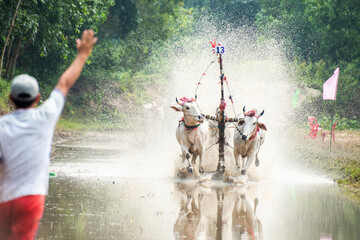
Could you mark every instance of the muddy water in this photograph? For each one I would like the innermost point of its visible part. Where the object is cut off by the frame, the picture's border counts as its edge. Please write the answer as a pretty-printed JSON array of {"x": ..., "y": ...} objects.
[{"x": 105, "y": 190}]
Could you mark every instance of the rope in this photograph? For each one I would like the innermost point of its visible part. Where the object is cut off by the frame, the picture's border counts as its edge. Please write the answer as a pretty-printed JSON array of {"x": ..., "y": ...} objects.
[
  {"x": 231, "y": 98},
  {"x": 203, "y": 76},
  {"x": 213, "y": 126},
  {"x": 227, "y": 85},
  {"x": 211, "y": 146},
  {"x": 227, "y": 144},
  {"x": 237, "y": 128},
  {"x": 199, "y": 82}
]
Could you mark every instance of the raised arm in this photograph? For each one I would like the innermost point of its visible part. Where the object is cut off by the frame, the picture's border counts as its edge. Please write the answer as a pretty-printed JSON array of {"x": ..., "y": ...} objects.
[{"x": 84, "y": 46}]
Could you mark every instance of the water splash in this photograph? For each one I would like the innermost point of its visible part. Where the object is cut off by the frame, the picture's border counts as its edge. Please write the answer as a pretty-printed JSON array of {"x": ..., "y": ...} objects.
[{"x": 258, "y": 75}]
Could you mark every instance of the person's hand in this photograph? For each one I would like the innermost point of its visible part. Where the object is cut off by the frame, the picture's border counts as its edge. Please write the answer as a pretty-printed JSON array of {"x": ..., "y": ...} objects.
[{"x": 87, "y": 42}]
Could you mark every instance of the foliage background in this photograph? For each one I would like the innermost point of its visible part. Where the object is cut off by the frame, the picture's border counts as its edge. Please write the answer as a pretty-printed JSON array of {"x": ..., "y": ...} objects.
[{"x": 317, "y": 36}]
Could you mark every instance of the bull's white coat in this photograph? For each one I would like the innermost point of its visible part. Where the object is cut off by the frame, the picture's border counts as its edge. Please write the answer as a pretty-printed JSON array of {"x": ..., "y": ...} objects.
[
  {"x": 244, "y": 148},
  {"x": 192, "y": 140}
]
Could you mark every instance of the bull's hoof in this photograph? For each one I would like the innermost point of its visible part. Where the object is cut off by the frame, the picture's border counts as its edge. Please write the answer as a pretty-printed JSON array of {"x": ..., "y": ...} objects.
[
  {"x": 190, "y": 170},
  {"x": 257, "y": 162},
  {"x": 243, "y": 179},
  {"x": 201, "y": 170}
]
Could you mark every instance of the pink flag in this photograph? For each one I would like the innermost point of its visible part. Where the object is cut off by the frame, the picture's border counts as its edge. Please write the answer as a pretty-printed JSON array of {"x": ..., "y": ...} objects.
[{"x": 330, "y": 86}]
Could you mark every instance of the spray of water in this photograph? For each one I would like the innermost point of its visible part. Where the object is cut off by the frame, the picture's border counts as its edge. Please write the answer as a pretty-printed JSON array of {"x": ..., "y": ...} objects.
[{"x": 258, "y": 75}]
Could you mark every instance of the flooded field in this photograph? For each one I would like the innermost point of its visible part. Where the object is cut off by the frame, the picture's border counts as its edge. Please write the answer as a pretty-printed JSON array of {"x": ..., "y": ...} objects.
[
  {"x": 124, "y": 185},
  {"x": 104, "y": 190}
]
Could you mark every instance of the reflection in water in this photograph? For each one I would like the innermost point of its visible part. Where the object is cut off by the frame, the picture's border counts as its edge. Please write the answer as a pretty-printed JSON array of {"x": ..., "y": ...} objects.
[
  {"x": 187, "y": 225},
  {"x": 244, "y": 220},
  {"x": 127, "y": 208},
  {"x": 219, "y": 212},
  {"x": 117, "y": 197}
]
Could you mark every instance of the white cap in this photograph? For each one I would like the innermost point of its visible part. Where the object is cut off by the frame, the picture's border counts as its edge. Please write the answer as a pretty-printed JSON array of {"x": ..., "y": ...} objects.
[{"x": 24, "y": 87}]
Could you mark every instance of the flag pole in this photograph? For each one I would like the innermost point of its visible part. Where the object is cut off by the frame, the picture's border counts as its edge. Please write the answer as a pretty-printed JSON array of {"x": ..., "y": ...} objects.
[
  {"x": 329, "y": 93},
  {"x": 221, "y": 122},
  {"x": 332, "y": 123}
]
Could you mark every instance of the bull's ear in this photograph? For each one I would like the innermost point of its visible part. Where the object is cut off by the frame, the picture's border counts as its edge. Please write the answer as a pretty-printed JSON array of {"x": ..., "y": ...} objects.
[
  {"x": 262, "y": 126},
  {"x": 241, "y": 121},
  {"x": 176, "y": 109}
]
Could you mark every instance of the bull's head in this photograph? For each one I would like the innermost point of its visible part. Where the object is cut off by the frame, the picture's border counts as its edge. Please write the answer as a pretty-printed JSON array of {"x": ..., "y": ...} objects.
[
  {"x": 249, "y": 123},
  {"x": 192, "y": 114}
]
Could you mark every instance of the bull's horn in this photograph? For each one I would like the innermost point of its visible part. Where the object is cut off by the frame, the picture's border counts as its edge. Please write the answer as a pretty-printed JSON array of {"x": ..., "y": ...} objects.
[
  {"x": 244, "y": 110},
  {"x": 262, "y": 113},
  {"x": 178, "y": 101}
]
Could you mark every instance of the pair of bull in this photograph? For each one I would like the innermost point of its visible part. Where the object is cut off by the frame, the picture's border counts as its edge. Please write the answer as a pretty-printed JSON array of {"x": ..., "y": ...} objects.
[{"x": 192, "y": 134}]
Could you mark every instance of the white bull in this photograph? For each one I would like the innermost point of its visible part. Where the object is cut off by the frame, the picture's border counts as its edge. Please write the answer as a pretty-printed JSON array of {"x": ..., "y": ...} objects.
[
  {"x": 191, "y": 133},
  {"x": 249, "y": 135}
]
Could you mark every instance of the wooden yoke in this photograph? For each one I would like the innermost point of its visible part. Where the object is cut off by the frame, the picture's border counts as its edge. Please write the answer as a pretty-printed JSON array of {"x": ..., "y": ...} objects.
[{"x": 217, "y": 119}]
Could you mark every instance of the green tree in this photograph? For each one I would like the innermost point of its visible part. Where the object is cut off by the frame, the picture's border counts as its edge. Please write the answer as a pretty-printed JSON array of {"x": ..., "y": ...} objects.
[
  {"x": 320, "y": 35},
  {"x": 133, "y": 35},
  {"x": 44, "y": 32},
  {"x": 338, "y": 24},
  {"x": 314, "y": 29},
  {"x": 233, "y": 12},
  {"x": 135, "y": 29},
  {"x": 285, "y": 21}
]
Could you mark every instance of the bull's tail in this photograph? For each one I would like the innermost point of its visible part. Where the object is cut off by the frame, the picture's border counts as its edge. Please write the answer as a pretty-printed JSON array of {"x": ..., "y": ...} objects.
[{"x": 257, "y": 161}]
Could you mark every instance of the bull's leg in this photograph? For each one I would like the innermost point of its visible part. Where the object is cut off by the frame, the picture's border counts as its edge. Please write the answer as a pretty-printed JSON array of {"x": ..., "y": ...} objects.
[
  {"x": 187, "y": 155},
  {"x": 201, "y": 167},
  {"x": 190, "y": 167},
  {"x": 243, "y": 161},
  {"x": 183, "y": 157},
  {"x": 256, "y": 202},
  {"x": 249, "y": 161},
  {"x": 237, "y": 159},
  {"x": 194, "y": 157}
]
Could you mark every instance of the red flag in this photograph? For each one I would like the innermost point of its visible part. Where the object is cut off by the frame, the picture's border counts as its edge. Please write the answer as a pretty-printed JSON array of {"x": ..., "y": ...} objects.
[
  {"x": 330, "y": 86},
  {"x": 213, "y": 44}
]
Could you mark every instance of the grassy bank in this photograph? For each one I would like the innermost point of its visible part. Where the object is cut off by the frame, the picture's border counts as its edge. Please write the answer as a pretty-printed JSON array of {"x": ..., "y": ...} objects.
[{"x": 341, "y": 162}]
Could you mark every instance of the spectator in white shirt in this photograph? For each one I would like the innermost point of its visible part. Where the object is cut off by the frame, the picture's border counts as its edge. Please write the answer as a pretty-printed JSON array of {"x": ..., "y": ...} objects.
[{"x": 25, "y": 144}]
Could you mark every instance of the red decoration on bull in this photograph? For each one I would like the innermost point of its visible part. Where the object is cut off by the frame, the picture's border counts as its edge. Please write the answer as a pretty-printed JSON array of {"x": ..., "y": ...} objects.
[
  {"x": 252, "y": 113},
  {"x": 185, "y": 100}
]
